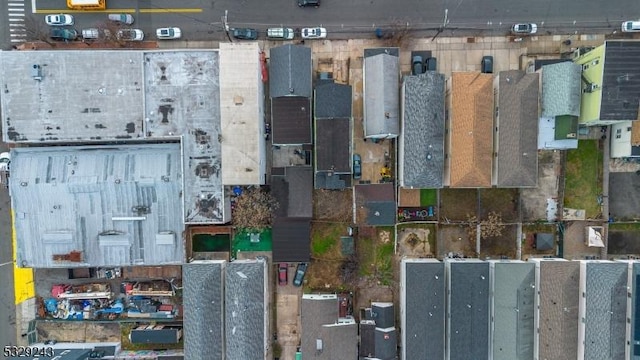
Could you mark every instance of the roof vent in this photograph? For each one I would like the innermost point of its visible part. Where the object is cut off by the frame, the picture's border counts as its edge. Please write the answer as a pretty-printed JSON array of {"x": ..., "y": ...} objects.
[
  {"x": 290, "y": 90},
  {"x": 36, "y": 72}
]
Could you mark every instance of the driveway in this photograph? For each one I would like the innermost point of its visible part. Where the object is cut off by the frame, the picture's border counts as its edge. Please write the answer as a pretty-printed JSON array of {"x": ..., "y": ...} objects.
[{"x": 624, "y": 195}]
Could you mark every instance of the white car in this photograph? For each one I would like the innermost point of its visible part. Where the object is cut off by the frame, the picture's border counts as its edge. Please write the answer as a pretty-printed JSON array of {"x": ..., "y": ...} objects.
[
  {"x": 169, "y": 33},
  {"x": 130, "y": 35},
  {"x": 314, "y": 33},
  {"x": 631, "y": 26},
  {"x": 524, "y": 29},
  {"x": 59, "y": 20}
]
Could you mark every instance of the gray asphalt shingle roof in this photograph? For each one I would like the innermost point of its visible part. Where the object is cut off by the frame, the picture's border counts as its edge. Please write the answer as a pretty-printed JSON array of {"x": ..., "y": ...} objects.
[
  {"x": 290, "y": 71},
  {"x": 384, "y": 314},
  {"x": 245, "y": 310},
  {"x": 203, "y": 307},
  {"x": 291, "y": 121},
  {"x": 422, "y": 140},
  {"x": 332, "y": 100},
  {"x": 620, "y": 83},
  {"x": 291, "y": 239},
  {"x": 333, "y": 145},
  {"x": 558, "y": 308},
  {"x": 386, "y": 343},
  {"x": 561, "y": 89},
  {"x": 422, "y": 308},
  {"x": 468, "y": 322},
  {"x": 635, "y": 309},
  {"x": 381, "y": 96},
  {"x": 318, "y": 318},
  {"x": 517, "y": 159},
  {"x": 118, "y": 205},
  {"x": 605, "y": 310},
  {"x": 513, "y": 310}
]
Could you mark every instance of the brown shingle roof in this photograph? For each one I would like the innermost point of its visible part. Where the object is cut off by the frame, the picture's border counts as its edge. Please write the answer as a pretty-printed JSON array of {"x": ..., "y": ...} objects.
[{"x": 471, "y": 129}]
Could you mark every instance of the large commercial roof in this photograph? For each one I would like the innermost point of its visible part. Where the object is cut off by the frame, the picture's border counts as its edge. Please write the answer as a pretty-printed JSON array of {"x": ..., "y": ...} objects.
[
  {"x": 605, "y": 309},
  {"x": 422, "y": 308},
  {"x": 471, "y": 129},
  {"x": 517, "y": 161},
  {"x": 468, "y": 308},
  {"x": 421, "y": 149},
  {"x": 246, "y": 313},
  {"x": 80, "y": 95},
  {"x": 203, "y": 290},
  {"x": 290, "y": 71},
  {"x": 513, "y": 310},
  {"x": 88, "y": 96},
  {"x": 242, "y": 114},
  {"x": 381, "y": 96},
  {"x": 557, "y": 305},
  {"x": 117, "y": 205}
]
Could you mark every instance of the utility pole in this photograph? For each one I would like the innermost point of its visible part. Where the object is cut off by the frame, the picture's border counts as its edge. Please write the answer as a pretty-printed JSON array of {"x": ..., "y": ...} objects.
[
  {"x": 445, "y": 22},
  {"x": 225, "y": 24}
]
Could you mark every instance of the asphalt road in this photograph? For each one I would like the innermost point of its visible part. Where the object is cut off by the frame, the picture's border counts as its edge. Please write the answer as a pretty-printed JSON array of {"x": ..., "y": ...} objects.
[{"x": 202, "y": 19}]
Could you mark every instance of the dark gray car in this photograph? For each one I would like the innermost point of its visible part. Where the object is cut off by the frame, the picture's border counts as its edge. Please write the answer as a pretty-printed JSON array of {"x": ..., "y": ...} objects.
[
  {"x": 245, "y": 34},
  {"x": 305, "y": 3},
  {"x": 301, "y": 270}
]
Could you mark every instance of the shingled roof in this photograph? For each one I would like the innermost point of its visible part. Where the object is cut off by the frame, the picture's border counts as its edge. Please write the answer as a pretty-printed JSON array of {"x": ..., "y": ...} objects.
[
  {"x": 332, "y": 101},
  {"x": 604, "y": 310},
  {"x": 203, "y": 307},
  {"x": 471, "y": 129},
  {"x": 422, "y": 308},
  {"x": 561, "y": 89},
  {"x": 381, "y": 96},
  {"x": 421, "y": 149},
  {"x": 290, "y": 71},
  {"x": 517, "y": 160}
]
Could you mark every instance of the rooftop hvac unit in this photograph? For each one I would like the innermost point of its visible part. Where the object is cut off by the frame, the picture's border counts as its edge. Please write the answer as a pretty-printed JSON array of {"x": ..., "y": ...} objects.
[
  {"x": 36, "y": 72},
  {"x": 319, "y": 345}
]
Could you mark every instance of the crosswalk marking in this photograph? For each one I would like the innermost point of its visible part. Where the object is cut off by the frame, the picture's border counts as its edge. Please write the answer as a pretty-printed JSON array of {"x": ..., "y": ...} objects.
[{"x": 16, "y": 15}]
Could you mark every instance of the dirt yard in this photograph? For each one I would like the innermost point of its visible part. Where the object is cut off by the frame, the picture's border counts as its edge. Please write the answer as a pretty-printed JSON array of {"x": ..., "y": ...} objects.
[
  {"x": 504, "y": 202},
  {"x": 456, "y": 204},
  {"x": 333, "y": 205},
  {"x": 416, "y": 240},
  {"x": 454, "y": 239},
  {"x": 528, "y": 243},
  {"x": 80, "y": 331},
  {"x": 504, "y": 245},
  {"x": 409, "y": 197}
]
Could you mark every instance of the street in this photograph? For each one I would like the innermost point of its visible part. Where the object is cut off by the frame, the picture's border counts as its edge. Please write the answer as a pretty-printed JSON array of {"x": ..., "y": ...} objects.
[{"x": 203, "y": 20}]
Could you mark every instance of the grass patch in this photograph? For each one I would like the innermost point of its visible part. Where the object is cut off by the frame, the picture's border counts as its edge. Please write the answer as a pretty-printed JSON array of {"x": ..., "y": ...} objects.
[
  {"x": 583, "y": 178},
  {"x": 634, "y": 226},
  {"x": 325, "y": 238},
  {"x": 428, "y": 197},
  {"x": 375, "y": 258}
]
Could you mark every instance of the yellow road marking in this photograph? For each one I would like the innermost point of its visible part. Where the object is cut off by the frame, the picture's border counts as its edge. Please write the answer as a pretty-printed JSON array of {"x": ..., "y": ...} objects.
[
  {"x": 24, "y": 286},
  {"x": 118, "y": 11}
]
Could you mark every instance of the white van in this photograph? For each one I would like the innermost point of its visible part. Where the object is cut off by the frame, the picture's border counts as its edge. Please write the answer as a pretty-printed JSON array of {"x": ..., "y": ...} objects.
[{"x": 280, "y": 33}]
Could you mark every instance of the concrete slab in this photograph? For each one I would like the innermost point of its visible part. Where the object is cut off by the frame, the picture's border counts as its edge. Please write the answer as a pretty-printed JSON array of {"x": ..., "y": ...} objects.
[{"x": 534, "y": 200}]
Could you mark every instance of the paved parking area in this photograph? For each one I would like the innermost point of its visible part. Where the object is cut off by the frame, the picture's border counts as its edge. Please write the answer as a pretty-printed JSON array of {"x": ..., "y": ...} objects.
[
  {"x": 288, "y": 315},
  {"x": 624, "y": 195}
]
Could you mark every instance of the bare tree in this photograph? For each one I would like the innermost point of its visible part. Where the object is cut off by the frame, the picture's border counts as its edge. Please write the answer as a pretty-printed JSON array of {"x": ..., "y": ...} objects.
[
  {"x": 491, "y": 227},
  {"x": 254, "y": 209},
  {"x": 37, "y": 30},
  {"x": 108, "y": 32},
  {"x": 397, "y": 34}
]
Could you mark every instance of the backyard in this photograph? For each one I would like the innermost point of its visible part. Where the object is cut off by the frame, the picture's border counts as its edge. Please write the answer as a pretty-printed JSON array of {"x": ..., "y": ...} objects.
[
  {"x": 326, "y": 255},
  {"x": 583, "y": 178},
  {"x": 457, "y": 204},
  {"x": 623, "y": 238},
  {"x": 503, "y": 202},
  {"x": 417, "y": 240},
  {"x": 529, "y": 232}
]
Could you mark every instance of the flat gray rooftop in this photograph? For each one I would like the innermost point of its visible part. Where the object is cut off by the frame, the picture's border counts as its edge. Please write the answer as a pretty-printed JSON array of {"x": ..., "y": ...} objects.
[
  {"x": 123, "y": 95},
  {"x": 116, "y": 205},
  {"x": 182, "y": 98},
  {"x": 83, "y": 95}
]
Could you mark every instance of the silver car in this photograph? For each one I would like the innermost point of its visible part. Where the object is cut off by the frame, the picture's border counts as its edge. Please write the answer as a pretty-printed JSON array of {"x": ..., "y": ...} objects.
[{"x": 121, "y": 18}]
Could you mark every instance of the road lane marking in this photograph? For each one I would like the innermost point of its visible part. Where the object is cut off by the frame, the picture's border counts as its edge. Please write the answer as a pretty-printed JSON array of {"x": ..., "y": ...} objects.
[
  {"x": 120, "y": 11},
  {"x": 16, "y": 15}
]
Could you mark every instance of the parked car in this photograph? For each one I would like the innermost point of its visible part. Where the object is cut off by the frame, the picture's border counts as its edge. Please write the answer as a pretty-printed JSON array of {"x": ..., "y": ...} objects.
[
  {"x": 524, "y": 29},
  {"x": 121, "y": 18},
  {"x": 245, "y": 34},
  {"x": 130, "y": 35},
  {"x": 486, "y": 66},
  {"x": 283, "y": 269},
  {"x": 431, "y": 64},
  {"x": 169, "y": 33},
  {"x": 314, "y": 33},
  {"x": 280, "y": 33},
  {"x": 357, "y": 166},
  {"x": 59, "y": 20},
  {"x": 631, "y": 26},
  {"x": 305, "y": 3},
  {"x": 416, "y": 65},
  {"x": 94, "y": 34},
  {"x": 301, "y": 270},
  {"x": 63, "y": 34}
]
